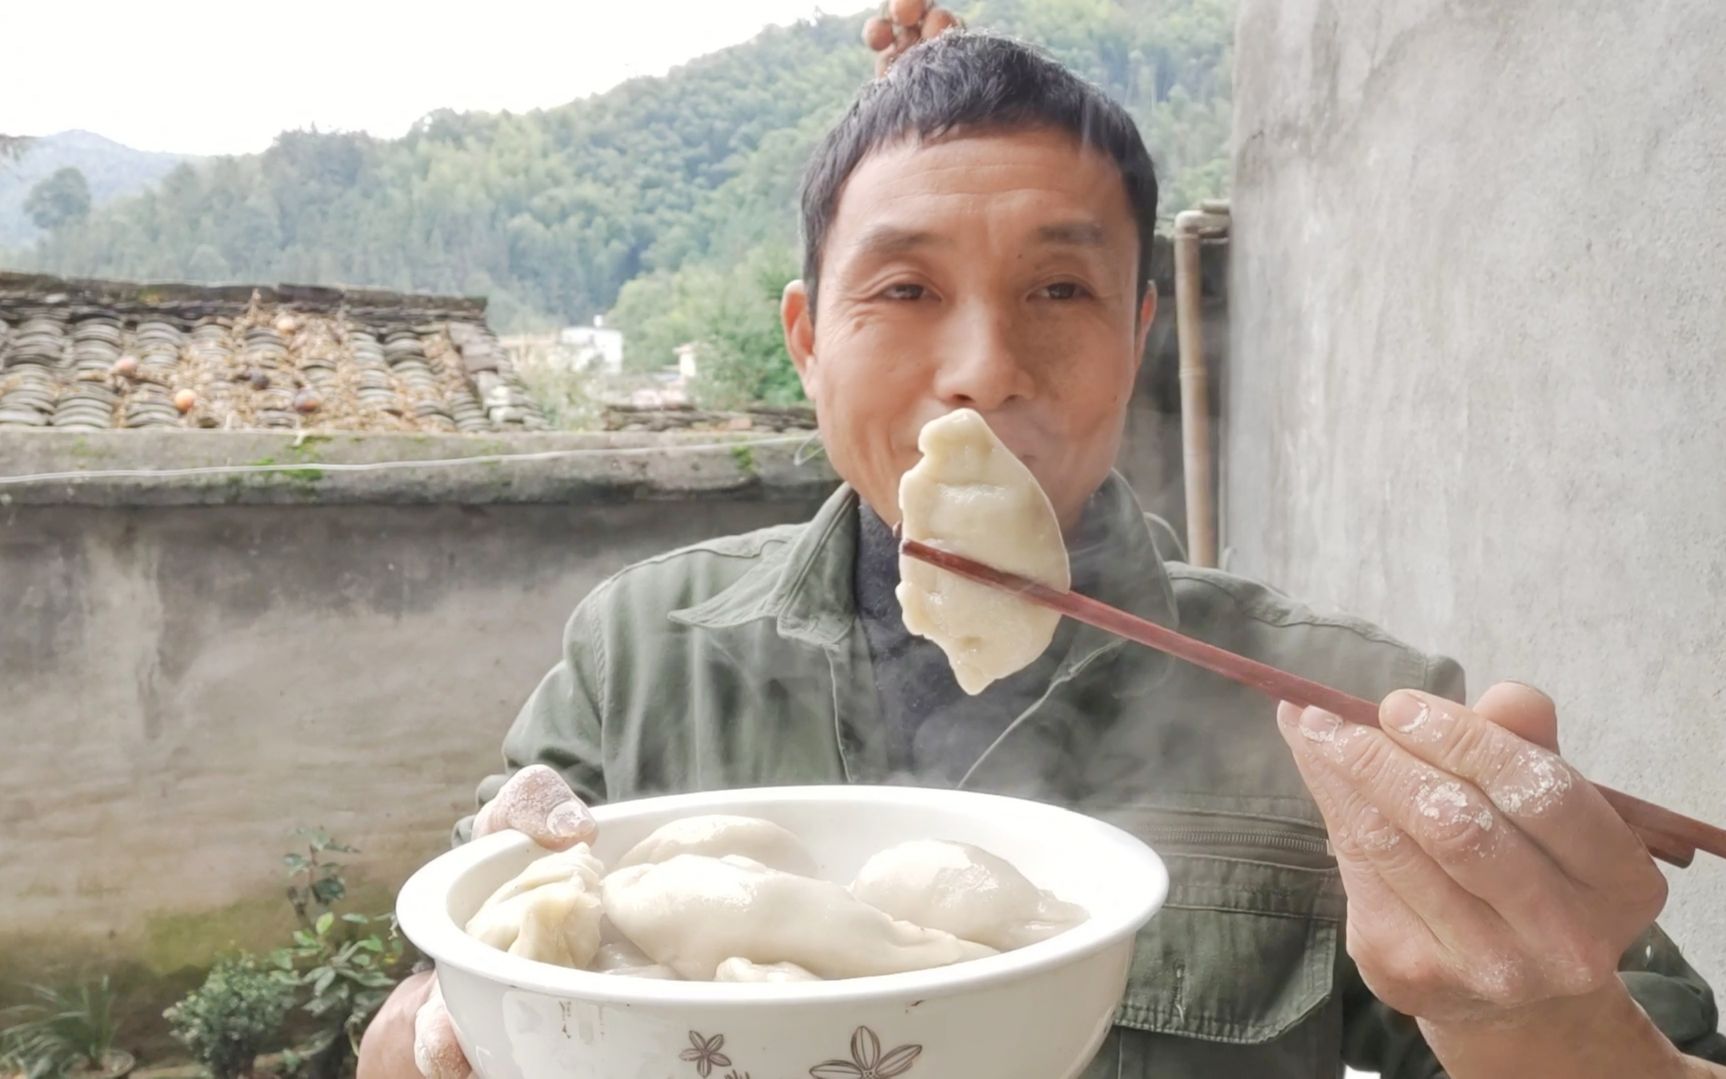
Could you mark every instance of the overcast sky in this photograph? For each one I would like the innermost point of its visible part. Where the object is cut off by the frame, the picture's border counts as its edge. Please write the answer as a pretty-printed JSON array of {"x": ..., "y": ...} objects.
[{"x": 201, "y": 77}]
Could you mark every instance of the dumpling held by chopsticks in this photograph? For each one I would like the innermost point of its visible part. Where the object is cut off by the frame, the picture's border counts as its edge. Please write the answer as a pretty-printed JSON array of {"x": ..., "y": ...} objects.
[{"x": 971, "y": 496}]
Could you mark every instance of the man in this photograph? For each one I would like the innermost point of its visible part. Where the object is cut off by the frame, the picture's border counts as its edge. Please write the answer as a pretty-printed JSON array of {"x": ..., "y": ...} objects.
[{"x": 977, "y": 234}]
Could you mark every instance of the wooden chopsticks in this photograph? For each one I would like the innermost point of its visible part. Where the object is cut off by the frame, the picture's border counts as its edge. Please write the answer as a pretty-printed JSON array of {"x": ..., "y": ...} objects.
[{"x": 1670, "y": 836}]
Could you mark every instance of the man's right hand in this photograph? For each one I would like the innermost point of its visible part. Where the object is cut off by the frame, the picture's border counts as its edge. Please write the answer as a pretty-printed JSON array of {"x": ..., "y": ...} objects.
[{"x": 412, "y": 1035}]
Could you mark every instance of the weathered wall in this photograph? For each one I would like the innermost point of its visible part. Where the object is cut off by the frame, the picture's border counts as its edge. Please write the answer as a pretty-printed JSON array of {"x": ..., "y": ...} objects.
[
  {"x": 1478, "y": 389},
  {"x": 188, "y": 672},
  {"x": 193, "y": 666}
]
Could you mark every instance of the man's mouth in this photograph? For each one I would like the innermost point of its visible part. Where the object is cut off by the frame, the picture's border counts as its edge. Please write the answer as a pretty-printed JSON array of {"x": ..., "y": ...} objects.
[
  {"x": 1018, "y": 448},
  {"x": 1027, "y": 448}
]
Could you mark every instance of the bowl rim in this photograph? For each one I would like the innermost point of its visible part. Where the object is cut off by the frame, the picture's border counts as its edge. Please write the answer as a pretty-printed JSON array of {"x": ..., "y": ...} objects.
[{"x": 422, "y": 912}]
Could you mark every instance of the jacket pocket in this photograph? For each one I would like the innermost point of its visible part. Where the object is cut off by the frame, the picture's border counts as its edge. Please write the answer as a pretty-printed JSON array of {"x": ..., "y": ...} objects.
[{"x": 1245, "y": 948}]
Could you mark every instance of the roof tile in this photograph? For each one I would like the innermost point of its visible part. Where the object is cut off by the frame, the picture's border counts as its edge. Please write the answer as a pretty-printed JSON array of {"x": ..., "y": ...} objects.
[{"x": 91, "y": 355}]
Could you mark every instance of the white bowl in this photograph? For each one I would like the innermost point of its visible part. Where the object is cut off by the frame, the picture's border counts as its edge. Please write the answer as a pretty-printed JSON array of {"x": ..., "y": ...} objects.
[{"x": 1037, "y": 1013}]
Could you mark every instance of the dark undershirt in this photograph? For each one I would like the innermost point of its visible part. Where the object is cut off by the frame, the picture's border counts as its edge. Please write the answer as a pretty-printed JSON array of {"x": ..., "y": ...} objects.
[{"x": 935, "y": 731}]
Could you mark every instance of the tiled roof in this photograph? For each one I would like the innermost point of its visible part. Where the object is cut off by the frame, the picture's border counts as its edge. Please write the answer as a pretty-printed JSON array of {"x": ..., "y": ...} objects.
[{"x": 92, "y": 355}]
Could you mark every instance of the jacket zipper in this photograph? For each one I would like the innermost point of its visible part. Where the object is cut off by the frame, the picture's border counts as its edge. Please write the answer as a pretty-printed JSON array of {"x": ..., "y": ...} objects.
[{"x": 1210, "y": 838}]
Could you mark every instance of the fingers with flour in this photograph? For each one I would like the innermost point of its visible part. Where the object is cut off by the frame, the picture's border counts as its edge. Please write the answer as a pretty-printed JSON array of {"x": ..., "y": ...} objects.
[
  {"x": 538, "y": 803},
  {"x": 437, "y": 1051}
]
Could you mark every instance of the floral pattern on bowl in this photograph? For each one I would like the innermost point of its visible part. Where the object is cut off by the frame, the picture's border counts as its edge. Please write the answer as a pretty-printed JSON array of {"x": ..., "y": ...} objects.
[{"x": 867, "y": 1061}]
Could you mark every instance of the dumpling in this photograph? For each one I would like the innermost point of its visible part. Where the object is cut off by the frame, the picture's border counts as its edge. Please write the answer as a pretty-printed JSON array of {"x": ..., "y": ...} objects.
[
  {"x": 717, "y": 835},
  {"x": 692, "y": 913},
  {"x": 559, "y": 923},
  {"x": 576, "y": 863},
  {"x": 618, "y": 955},
  {"x": 965, "y": 891},
  {"x": 970, "y": 495},
  {"x": 738, "y": 969},
  {"x": 652, "y": 970},
  {"x": 553, "y": 923},
  {"x": 550, "y": 911}
]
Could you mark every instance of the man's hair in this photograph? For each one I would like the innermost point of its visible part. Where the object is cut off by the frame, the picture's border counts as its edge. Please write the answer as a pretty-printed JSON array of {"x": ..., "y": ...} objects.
[{"x": 971, "y": 83}]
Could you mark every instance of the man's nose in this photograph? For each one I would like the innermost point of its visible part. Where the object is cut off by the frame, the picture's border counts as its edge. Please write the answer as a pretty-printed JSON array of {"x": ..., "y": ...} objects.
[{"x": 980, "y": 367}]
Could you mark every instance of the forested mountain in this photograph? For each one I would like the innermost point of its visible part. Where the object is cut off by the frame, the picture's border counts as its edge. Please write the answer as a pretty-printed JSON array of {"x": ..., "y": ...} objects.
[
  {"x": 111, "y": 170},
  {"x": 679, "y": 187}
]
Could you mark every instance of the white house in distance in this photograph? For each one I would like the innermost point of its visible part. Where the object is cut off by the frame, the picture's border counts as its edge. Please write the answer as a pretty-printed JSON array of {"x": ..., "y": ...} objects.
[
  {"x": 596, "y": 348},
  {"x": 688, "y": 357}
]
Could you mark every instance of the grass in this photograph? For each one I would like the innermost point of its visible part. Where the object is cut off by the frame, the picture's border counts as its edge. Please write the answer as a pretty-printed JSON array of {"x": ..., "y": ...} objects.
[
  {"x": 745, "y": 457},
  {"x": 61, "y": 1030},
  {"x": 562, "y": 395}
]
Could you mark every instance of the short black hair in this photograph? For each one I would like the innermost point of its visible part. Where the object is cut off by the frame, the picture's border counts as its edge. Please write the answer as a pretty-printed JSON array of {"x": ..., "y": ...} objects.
[{"x": 967, "y": 83}]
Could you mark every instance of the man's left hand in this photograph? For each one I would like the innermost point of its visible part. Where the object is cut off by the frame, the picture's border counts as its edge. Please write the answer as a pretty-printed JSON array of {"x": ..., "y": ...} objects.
[{"x": 1488, "y": 882}]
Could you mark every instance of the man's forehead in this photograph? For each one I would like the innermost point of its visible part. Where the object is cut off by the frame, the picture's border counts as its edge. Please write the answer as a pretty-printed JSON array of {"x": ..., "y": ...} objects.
[
  {"x": 1054, "y": 188},
  {"x": 986, "y": 161},
  {"x": 888, "y": 238}
]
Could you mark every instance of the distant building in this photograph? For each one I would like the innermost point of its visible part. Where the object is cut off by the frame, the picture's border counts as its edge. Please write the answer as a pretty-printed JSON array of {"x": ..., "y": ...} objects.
[
  {"x": 668, "y": 392},
  {"x": 587, "y": 350},
  {"x": 687, "y": 361},
  {"x": 596, "y": 348}
]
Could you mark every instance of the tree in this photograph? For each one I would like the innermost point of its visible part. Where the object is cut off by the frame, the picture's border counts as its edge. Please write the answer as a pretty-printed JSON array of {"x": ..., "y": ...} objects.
[
  {"x": 207, "y": 265},
  {"x": 61, "y": 199},
  {"x": 652, "y": 311},
  {"x": 653, "y": 201},
  {"x": 736, "y": 324}
]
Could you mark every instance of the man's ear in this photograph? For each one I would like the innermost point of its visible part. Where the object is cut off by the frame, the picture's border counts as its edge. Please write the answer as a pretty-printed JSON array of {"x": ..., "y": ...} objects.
[
  {"x": 798, "y": 321},
  {"x": 1147, "y": 315}
]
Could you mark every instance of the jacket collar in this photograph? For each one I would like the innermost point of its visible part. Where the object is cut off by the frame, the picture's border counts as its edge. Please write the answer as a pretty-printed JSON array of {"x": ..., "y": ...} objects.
[{"x": 806, "y": 586}]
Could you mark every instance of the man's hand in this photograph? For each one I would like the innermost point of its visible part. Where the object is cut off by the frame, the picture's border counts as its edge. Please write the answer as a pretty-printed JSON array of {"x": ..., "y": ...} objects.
[
  {"x": 412, "y": 1034},
  {"x": 537, "y": 802},
  {"x": 1490, "y": 886}
]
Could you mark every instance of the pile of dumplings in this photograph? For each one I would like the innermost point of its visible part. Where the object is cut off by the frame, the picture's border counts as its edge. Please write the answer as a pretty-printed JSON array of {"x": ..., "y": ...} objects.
[{"x": 736, "y": 899}]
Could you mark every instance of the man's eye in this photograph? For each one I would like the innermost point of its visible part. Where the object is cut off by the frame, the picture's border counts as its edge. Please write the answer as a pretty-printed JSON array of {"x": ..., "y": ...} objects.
[
  {"x": 1064, "y": 290},
  {"x": 903, "y": 291}
]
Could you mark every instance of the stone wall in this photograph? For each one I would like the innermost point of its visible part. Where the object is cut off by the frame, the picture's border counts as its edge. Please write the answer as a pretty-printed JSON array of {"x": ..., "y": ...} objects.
[
  {"x": 1478, "y": 389},
  {"x": 194, "y": 665},
  {"x": 191, "y": 668}
]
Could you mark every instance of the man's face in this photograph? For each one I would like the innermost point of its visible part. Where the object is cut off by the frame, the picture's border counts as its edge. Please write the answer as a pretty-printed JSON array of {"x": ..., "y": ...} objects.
[{"x": 996, "y": 272}]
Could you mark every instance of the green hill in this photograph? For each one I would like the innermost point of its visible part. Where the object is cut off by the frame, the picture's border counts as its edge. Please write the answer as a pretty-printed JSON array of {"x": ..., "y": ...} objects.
[
  {"x": 113, "y": 171},
  {"x": 668, "y": 182}
]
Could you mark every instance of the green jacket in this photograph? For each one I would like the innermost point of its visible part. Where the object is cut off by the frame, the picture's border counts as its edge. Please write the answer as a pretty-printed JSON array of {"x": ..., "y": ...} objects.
[{"x": 740, "y": 662}]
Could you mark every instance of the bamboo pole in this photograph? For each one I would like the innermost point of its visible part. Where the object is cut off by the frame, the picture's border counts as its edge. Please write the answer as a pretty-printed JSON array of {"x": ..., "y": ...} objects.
[{"x": 1192, "y": 228}]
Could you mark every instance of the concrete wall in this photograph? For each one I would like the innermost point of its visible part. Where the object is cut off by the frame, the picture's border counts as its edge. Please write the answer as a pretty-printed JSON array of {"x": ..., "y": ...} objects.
[
  {"x": 193, "y": 666},
  {"x": 1478, "y": 389},
  {"x": 189, "y": 671}
]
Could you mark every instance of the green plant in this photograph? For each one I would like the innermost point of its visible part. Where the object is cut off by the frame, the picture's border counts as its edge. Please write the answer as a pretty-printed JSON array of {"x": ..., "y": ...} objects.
[
  {"x": 315, "y": 884},
  {"x": 342, "y": 964},
  {"x": 238, "y": 1011},
  {"x": 745, "y": 459},
  {"x": 12, "y": 1060},
  {"x": 63, "y": 1030},
  {"x": 735, "y": 316},
  {"x": 561, "y": 393}
]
